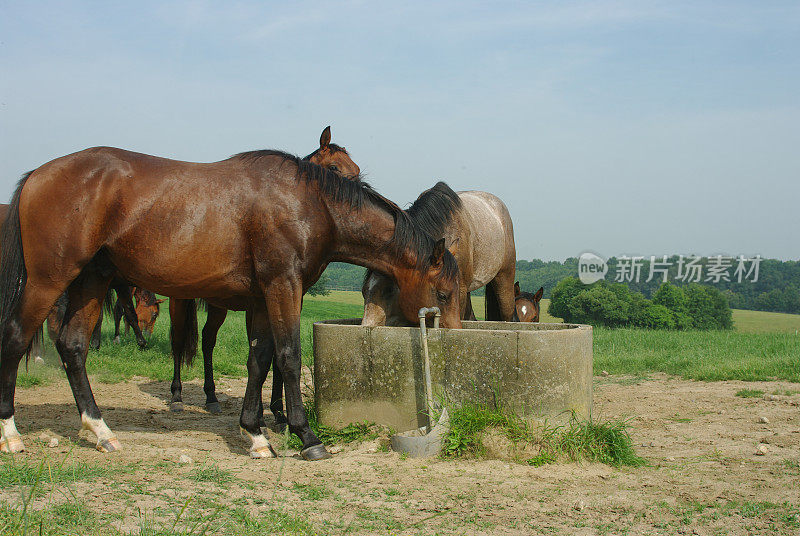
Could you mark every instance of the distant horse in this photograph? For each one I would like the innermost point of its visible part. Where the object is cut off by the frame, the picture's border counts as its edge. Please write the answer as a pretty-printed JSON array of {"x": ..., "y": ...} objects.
[
  {"x": 252, "y": 232},
  {"x": 527, "y": 304},
  {"x": 183, "y": 313},
  {"x": 147, "y": 309},
  {"x": 478, "y": 231}
]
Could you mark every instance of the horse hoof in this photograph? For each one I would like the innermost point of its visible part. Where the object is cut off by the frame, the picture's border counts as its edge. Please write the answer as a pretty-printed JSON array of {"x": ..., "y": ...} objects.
[
  {"x": 111, "y": 444},
  {"x": 214, "y": 407},
  {"x": 177, "y": 407},
  {"x": 12, "y": 444},
  {"x": 263, "y": 452},
  {"x": 315, "y": 453}
]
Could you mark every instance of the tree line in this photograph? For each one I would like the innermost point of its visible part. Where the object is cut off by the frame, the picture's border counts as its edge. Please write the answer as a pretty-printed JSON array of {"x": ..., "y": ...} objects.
[{"x": 776, "y": 289}]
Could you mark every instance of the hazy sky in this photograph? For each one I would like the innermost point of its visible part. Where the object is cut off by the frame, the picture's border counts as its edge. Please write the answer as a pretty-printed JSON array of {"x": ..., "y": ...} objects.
[{"x": 618, "y": 127}]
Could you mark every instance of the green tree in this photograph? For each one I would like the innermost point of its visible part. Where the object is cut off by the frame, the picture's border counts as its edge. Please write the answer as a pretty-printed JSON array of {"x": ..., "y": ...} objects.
[{"x": 320, "y": 288}]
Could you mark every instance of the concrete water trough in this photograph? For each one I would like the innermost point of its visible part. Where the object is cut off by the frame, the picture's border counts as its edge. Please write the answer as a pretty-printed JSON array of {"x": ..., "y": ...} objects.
[{"x": 539, "y": 371}]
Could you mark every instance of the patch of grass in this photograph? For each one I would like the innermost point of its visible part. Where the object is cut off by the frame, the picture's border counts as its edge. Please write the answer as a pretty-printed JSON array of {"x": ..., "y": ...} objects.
[
  {"x": 212, "y": 473},
  {"x": 272, "y": 521},
  {"x": 311, "y": 492},
  {"x": 750, "y": 393},
  {"x": 604, "y": 442},
  {"x": 785, "y": 392},
  {"x": 20, "y": 472}
]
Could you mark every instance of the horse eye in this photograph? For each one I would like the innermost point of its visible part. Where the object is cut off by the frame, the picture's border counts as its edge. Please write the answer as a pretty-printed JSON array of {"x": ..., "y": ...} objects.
[
  {"x": 442, "y": 296},
  {"x": 333, "y": 168}
]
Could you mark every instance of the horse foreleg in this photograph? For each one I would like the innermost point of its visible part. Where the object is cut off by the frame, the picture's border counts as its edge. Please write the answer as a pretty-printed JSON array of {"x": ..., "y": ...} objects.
[
  {"x": 85, "y": 300},
  {"x": 178, "y": 311},
  {"x": 469, "y": 313},
  {"x": 500, "y": 296},
  {"x": 216, "y": 316},
  {"x": 260, "y": 354},
  {"x": 125, "y": 301}
]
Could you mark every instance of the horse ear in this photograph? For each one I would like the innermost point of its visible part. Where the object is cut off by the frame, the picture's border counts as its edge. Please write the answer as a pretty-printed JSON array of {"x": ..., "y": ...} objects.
[
  {"x": 454, "y": 245},
  {"x": 516, "y": 288},
  {"x": 438, "y": 252},
  {"x": 539, "y": 293},
  {"x": 325, "y": 138}
]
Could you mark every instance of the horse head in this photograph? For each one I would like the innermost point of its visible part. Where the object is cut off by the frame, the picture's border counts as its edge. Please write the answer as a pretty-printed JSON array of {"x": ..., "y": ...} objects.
[
  {"x": 527, "y": 304},
  {"x": 334, "y": 157}
]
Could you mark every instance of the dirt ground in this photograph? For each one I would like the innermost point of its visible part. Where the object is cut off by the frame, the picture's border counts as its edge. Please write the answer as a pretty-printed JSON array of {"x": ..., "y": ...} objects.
[{"x": 700, "y": 440}]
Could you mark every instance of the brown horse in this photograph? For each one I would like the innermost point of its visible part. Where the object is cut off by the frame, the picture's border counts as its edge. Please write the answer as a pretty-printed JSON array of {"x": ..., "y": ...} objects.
[
  {"x": 478, "y": 231},
  {"x": 183, "y": 313},
  {"x": 527, "y": 304},
  {"x": 251, "y": 232}
]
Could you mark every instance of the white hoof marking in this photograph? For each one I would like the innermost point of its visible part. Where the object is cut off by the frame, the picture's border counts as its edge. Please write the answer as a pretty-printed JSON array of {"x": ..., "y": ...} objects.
[
  {"x": 260, "y": 447},
  {"x": 10, "y": 440},
  {"x": 106, "y": 442}
]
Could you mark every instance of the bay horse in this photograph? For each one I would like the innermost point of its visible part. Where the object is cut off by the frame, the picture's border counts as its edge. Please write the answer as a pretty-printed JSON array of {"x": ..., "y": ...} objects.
[
  {"x": 527, "y": 304},
  {"x": 478, "y": 232},
  {"x": 252, "y": 232},
  {"x": 183, "y": 313}
]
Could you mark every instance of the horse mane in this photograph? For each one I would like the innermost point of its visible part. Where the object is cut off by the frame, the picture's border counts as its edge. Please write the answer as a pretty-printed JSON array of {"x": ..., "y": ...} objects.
[
  {"x": 434, "y": 208},
  {"x": 407, "y": 233},
  {"x": 333, "y": 148}
]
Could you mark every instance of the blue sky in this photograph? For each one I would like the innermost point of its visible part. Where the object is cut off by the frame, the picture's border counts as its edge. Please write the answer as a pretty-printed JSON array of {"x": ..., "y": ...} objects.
[{"x": 631, "y": 128}]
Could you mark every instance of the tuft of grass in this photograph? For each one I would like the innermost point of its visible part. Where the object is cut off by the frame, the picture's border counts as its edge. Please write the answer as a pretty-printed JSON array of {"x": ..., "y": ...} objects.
[
  {"x": 353, "y": 432},
  {"x": 604, "y": 442},
  {"x": 750, "y": 393}
]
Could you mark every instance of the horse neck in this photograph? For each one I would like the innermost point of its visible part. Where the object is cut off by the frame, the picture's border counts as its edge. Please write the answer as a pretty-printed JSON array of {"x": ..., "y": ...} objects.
[{"x": 364, "y": 237}]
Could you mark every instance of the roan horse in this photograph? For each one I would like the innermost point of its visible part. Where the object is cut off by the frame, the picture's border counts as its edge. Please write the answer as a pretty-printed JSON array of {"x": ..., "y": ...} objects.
[
  {"x": 527, "y": 304},
  {"x": 263, "y": 223},
  {"x": 478, "y": 231},
  {"x": 183, "y": 313}
]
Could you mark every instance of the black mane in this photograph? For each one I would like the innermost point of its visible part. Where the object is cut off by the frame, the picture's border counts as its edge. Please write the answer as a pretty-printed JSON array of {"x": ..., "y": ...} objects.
[
  {"x": 407, "y": 232},
  {"x": 334, "y": 149},
  {"x": 434, "y": 208}
]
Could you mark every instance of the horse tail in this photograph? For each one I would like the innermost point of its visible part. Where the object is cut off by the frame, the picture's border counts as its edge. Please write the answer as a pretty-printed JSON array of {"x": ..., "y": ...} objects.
[
  {"x": 187, "y": 351},
  {"x": 13, "y": 275},
  {"x": 108, "y": 303},
  {"x": 492, "y": 303}
]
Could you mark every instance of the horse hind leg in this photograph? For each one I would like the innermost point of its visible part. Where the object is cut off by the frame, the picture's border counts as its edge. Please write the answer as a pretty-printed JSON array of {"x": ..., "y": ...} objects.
[
  {"x": 19, "y": 332},
  {"x": 216, "y": 316},
  {"x": 500, "y": 297},
  {"x": 85, "y": 299}
]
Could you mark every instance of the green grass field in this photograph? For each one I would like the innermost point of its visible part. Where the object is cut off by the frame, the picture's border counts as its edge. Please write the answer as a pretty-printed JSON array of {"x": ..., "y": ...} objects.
[{"x": 763, "y": 346}]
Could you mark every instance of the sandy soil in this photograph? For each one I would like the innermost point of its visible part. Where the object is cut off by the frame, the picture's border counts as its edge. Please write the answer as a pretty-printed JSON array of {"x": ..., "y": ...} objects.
[{"x": 699, "y": 438}]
